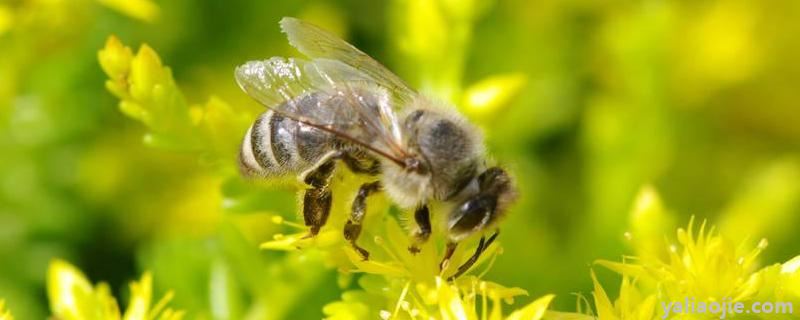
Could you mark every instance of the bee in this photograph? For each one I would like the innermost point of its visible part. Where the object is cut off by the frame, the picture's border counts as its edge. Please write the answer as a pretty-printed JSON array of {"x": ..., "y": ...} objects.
[{"x": 340, "y": 106}]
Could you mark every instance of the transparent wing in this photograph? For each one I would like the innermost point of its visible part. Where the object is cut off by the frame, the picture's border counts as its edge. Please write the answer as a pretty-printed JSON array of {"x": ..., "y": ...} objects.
[
  {"x": 273, "y": 81},
  {"x": 320, "y": 44},
  {"x": 328, "y": 95}
]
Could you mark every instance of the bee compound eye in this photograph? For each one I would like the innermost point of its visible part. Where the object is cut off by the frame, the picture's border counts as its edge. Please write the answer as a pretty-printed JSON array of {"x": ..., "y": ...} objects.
[{"x": 472, "y": 214}]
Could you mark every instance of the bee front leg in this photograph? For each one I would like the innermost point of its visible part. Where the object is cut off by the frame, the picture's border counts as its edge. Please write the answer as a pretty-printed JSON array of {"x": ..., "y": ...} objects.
[
  {"x": 317, "y": 199},
  {"x": 423, "y": 218},
  {"x": 448, "y": 253},
  {"x": 352, "y": 229},
  {"x": 482, "y": 245}
]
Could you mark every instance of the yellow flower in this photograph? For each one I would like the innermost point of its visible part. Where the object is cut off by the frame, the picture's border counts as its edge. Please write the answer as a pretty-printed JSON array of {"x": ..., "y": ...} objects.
[
  {"x": 787, "y": 287},
  {"x": 648, "y": 221},
  {"x": 149, "y": 78},
  {"x": 631, "y": 304},
  {"x": 115, "y": 58},
  {"x": 148, "y": 93},
  {"x": 145, "y": 87},
  {"x": 533, "y": 311},
  {"x": 4, "y": 314},
  {"x": 72, "y": 297},
  {"x": 703, "y": 265}
]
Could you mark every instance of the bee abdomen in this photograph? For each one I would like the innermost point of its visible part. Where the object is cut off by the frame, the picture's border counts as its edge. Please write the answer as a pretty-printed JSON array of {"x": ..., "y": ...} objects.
[{"x": 275, "y": 145}]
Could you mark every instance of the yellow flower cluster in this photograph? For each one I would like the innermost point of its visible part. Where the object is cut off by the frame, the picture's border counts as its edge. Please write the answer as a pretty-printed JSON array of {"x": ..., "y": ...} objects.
[
  {"x": 148, "y": 93},
  {"x": 704, "y": 266},
  {"x": 397, "y": 284},
  {"x": 146, "y": 90},
  {"x": 468, "y": 298},
  {"x": 72, "y": 297}
]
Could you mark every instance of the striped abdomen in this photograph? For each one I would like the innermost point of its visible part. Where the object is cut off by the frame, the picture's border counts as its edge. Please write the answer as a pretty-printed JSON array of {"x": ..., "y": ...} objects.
[{"x": 275, "y": 145}]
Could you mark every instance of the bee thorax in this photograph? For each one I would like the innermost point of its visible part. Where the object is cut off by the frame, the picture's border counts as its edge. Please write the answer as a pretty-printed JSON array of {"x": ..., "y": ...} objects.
[
  {"x": 450, "y": 146},
  {"x": 406, "y": 188}
]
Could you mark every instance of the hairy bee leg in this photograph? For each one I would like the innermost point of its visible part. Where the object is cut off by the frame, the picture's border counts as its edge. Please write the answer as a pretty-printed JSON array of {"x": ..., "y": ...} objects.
[
  {"x": 482, "y": 245},
  {"x": 352, "y": 229},
  {"x": 316, "y": 208},
  {"x": 317, "y": 199},
  {"x": 423, "y": 218}
]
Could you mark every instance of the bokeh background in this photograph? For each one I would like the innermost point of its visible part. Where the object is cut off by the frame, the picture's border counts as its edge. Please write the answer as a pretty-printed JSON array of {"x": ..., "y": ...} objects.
[{"x": 586, "y": 102}]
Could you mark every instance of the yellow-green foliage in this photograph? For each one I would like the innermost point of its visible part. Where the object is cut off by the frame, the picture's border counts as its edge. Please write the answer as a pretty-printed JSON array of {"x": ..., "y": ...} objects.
[{"x": 592, "y": 106}]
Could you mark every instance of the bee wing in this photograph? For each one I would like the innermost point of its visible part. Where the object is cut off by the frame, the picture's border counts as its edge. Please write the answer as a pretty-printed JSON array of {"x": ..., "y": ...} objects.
[
  {"x": 328, "y": 95},
  {"x": 320, "y": 44},
  {"x": 273, "y": 81}
]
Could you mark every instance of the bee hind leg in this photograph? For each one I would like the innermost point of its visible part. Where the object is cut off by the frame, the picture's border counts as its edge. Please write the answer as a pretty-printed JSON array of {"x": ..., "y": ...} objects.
[
  {"x": 423, "y": 218},
  {"x": 352, "y": 229},
  {"x": 482, "y": 246},
  {"x": 317, "y": 199}
]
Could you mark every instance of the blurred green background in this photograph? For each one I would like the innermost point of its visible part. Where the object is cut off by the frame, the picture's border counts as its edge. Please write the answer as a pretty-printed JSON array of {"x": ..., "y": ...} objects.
[{"x": 598, "y": 99}]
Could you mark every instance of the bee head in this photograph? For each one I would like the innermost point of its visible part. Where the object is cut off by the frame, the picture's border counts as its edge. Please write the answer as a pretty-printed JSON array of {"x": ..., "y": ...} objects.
[{"x": 485, "y": 208}]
